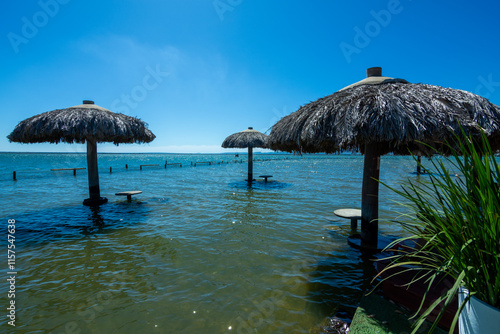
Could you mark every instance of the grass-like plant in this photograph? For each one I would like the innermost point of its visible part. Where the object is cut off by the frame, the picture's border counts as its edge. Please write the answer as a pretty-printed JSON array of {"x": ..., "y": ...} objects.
[{"x": 455, "y": 227}]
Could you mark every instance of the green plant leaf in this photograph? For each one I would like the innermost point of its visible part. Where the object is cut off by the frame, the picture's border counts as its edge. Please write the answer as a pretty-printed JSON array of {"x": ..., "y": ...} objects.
[{"x": 455, "y": 216}]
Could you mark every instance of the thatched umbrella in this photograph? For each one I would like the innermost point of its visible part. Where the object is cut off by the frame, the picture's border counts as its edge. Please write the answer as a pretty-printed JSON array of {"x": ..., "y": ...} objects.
[
  {"x": 248, "y": 138},
  {"x": 79, "y": 124},
  {"x": 379, "y": 115}
]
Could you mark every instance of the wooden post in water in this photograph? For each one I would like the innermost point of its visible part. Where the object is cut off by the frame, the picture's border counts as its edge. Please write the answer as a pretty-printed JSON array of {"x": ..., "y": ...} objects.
[
  {"x": 369, "y": 196},
  {"x": 14, "y": 175},
  {"x": 93, "y": 173},
  {"x": 250, "y": 164},
  {"x": 419, "y": 161}
]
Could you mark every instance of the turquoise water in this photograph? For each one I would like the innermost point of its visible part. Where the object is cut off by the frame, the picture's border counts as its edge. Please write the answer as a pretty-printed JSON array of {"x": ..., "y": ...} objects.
[{"x": 197, "y": 252}]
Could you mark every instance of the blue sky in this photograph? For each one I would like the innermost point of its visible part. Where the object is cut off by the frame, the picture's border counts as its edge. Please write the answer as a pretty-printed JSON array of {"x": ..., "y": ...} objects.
[{"x": 199, "y": 70}]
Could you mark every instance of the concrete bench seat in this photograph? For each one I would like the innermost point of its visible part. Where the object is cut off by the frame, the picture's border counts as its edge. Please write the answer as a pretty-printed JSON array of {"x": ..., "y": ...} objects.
[
  {"x": 128, "y": 194},
  {"x": 352, "y": 214},
  {"x": 265, "y": 177}
]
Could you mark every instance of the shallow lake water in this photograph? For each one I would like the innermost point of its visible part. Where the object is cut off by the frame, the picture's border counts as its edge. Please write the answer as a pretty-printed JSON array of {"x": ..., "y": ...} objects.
[{"x": 197, "y": 252}]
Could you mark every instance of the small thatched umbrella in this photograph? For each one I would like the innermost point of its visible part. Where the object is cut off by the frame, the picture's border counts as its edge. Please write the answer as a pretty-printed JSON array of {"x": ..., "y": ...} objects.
[
  {"x": 83, "y": 123},
  {"x": 379, "y": 115},
  {"x": 248, "y": 138}
]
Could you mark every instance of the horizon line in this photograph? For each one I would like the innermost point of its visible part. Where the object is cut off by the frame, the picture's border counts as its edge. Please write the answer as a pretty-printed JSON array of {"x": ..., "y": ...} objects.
[{"x": 224, "y": 153}]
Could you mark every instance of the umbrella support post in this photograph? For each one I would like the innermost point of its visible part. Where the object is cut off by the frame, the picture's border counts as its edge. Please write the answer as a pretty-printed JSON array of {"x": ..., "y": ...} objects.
[
  {"x": 250, "y": 165},
  {"x": 248, "y": 138},
  {"x": 369, "y": 197},
  {"x": 94, "y": 191}
]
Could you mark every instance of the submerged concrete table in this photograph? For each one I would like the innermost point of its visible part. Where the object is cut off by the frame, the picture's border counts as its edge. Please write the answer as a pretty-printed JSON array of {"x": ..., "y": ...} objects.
[
  {"x": 129, "y": 194},
  {"x": 265, "y": 177},
  {"x": 352, "y": 214}
]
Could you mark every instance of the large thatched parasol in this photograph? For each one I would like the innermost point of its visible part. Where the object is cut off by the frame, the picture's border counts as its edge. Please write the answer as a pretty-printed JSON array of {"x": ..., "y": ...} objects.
[
  {"x": 83, "y": 123},
  {"x": 379, "y": 115},
  {"x": 248, "y": 138}
]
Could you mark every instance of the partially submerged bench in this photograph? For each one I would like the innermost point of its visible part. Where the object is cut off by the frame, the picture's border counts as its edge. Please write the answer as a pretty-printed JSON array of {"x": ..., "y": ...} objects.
[
  {"x": 174, "y": 164},
  {"x": 203, "y": 162},
  {"x": 128, "y": 194},
  {"x": 73, "y": 169},
  {"x": 140, "y": 167}
]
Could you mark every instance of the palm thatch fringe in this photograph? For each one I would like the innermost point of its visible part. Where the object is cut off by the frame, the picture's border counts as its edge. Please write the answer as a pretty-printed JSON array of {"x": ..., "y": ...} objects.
[
  {"x": 77, "y": 124},
  {"x": 393, "y": 114},
  {"x": 246, "y": 138}
]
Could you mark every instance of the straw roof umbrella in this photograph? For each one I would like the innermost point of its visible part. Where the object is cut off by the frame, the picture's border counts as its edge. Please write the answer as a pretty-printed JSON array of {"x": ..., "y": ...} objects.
[
  {"x": 248, "y": 138},
  {"x": 79, "y": 124},
  {"x": 379, "y": 115}
]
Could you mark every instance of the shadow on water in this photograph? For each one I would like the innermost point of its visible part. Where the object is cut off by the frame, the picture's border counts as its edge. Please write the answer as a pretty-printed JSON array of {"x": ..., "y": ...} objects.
[
  {"x": 339, "y": 280},
  {"x": 333, "y": 283},
  {"x": 259, "y": 185},
  {"x": 75, "y": 222}
]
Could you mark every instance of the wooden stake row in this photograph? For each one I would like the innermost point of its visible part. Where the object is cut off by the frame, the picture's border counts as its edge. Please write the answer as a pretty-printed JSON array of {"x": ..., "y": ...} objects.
[{"x": 14, "y": 173}]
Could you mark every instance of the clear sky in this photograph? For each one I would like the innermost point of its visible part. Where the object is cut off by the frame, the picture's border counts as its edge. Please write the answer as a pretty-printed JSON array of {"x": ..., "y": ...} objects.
[{"x": 199, "y": 70}]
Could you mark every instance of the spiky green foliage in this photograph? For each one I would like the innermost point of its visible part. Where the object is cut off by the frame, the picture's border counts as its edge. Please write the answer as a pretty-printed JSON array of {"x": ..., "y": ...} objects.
[{"x": 456, "y": 219}]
